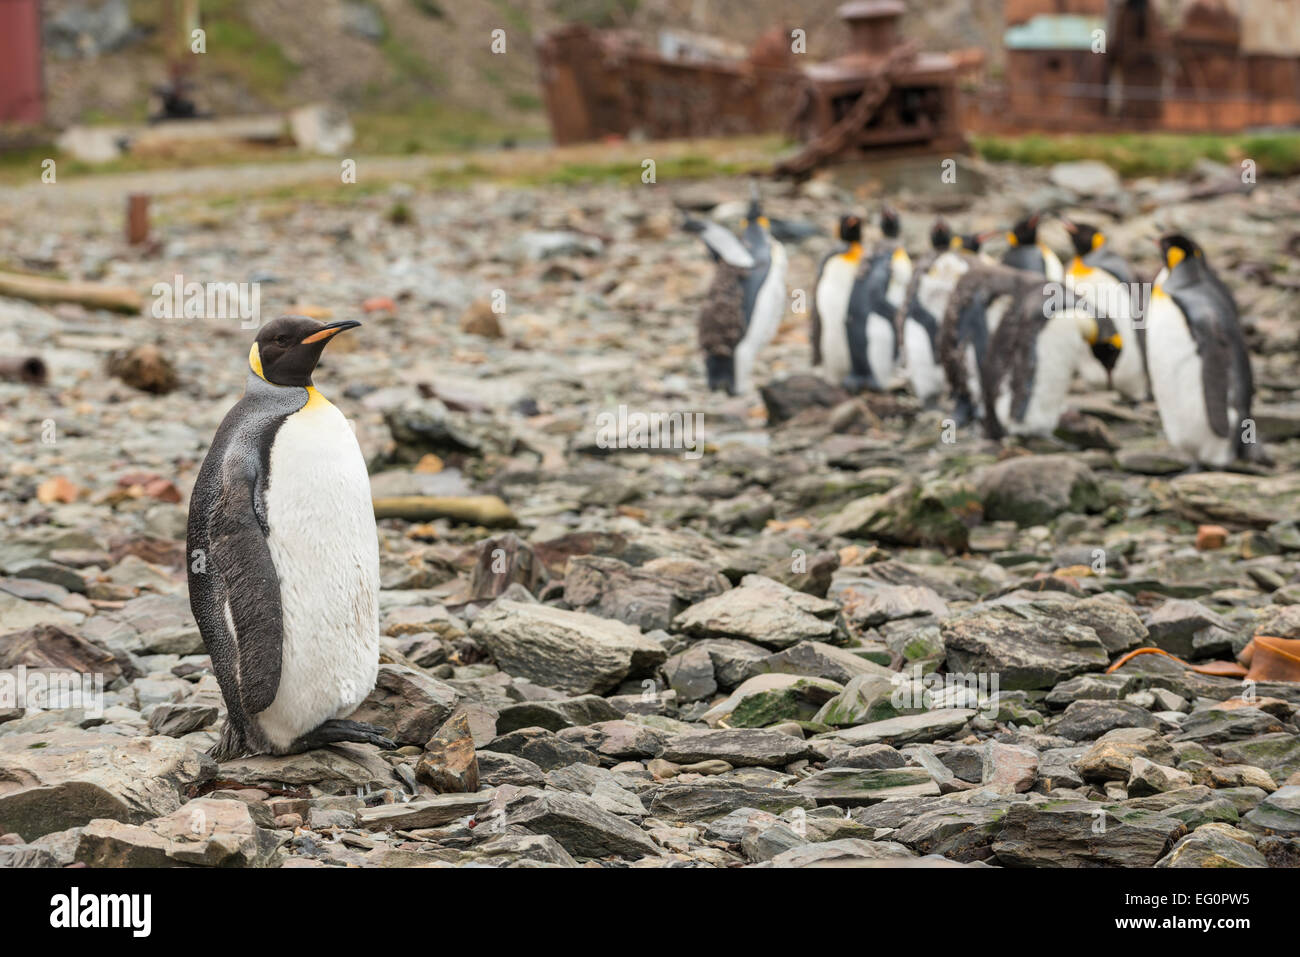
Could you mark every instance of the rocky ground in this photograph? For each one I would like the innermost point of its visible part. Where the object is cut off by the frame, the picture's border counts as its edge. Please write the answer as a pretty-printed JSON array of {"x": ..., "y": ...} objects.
[{"x": 651, "y": 659}]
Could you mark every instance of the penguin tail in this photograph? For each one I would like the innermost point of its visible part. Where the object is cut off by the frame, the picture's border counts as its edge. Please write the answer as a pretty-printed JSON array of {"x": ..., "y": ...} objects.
[
  {"x": 230, "y": 745},
  {"x": 1254, "y": 453}
]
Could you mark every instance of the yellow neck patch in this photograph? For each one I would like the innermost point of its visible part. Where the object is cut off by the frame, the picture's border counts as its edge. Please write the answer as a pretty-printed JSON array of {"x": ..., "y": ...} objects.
[
  {"x": 255, "y": 362},
  {"x": 1079, "y": 269},
  {"x": 1011, "y": 238},
  {"x": 853, "y": 253},
  {"x": 1098, "y": 240},
  {"x": 315, "y": 400},
  {"x": 762, "y": 221},
  {"x": 1174, "y": 256}
]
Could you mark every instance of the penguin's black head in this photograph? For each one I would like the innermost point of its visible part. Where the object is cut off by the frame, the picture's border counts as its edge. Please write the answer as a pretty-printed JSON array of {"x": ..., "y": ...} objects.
[
  {"x": 287, "y": 348},
  {"x": 1084, "y": 237},
  {"x": 971, "y": 242},
  {"x": 1176, "y": 247},
  {"x": 1025, "y": 232},
  {"x": 940, "y": 235},
  {"x": 850, "y": 229},
  {"x": 1106, "y": 342},
  {"x": 889, "y": 223}
]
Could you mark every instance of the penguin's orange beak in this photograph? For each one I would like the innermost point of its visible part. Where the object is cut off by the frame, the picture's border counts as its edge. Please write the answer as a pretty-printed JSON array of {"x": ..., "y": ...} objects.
[{"x": 330, "y": 330}]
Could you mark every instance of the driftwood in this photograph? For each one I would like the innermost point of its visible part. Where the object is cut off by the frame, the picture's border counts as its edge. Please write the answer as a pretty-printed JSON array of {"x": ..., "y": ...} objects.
[
  {"x": 94, "y": 295},
  {"x": 471, "y": 509}
]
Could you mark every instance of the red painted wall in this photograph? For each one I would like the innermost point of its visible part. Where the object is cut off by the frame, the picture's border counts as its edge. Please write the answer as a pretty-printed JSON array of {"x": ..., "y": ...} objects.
[{"x": 22, "y": 89}]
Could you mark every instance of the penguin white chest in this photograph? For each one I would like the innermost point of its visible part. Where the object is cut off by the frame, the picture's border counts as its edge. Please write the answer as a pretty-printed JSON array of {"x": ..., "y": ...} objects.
[
  {"x": 833, "y": 292},
  {"x": 1058, "y": 352},
  {"x": 325, "y": 549},
  {"x": 1175, "y": 369}
]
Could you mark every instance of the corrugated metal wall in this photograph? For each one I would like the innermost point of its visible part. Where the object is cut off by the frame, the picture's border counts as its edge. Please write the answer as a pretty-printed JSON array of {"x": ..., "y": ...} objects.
[{"x": 22, "y": 88}]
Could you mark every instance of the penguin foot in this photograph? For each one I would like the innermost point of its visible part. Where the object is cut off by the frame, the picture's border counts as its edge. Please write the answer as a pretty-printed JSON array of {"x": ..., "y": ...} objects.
[
  {"x": 337, "y": 731},
  {"x": 964, "y": 412}
]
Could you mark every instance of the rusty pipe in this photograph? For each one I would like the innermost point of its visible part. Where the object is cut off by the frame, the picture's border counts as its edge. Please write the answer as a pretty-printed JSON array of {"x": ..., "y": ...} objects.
[{"x": 27, "y": 369}]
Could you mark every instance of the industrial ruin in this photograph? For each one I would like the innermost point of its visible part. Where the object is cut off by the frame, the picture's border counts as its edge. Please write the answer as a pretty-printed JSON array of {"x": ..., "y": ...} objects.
[
  {"x": 1206, "y": 65},
  {"x": 883, "y": 95},
  {"x": 1070, "y": 65}
]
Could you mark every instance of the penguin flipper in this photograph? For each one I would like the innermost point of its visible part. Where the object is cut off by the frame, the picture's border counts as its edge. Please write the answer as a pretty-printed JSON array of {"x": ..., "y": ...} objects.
[
  {"x": 242, "y": 558},
  {"x": 910, "y": 303},
  {"x": 722, "y": 243},
  {"x": 1226, "y": 379}
]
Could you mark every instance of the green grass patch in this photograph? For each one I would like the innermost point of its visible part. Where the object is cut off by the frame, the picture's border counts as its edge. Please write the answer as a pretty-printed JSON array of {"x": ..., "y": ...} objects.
[
  {"x": 1149, "y": 154},
  {"x": 688, "y": 167},
  {"x": 235, "y": 49},
  {"x": 431, "y": 128}
]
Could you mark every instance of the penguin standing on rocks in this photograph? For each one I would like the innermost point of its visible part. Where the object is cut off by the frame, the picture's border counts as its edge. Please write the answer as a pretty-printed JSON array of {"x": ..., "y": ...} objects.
[
  {"x": 721, "y": 322},
  {"x": 1029, "y": 254},
  {"x": 855, "y": 302},
  {"x": 284, "y": 556},
  {"x": 1035, "y": 352},
  {"x": 1197, "y": 359},
  {"x": 980, "y": 299},
  {"x": 924, "y": 304},
  {"x": 732, "y": 335},
  {"x": 836, "y": 275},
  {"x": 1102, "y": 279}
]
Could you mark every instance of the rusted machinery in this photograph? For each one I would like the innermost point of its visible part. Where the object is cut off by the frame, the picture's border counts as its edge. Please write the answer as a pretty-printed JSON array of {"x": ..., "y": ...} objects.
[{"x": 882, "y": 96}]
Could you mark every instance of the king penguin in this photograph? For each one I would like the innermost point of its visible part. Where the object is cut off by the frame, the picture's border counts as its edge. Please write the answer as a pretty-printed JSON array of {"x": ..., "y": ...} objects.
[
  {"x": 721, "y": 324},
  {"x": 1034, "y": 354},
  {"x": 837, "y": 279},
  {"x": 856, "y": 300},
  {"x": 1103, "y": 282},
  {"x": 981, "y": 297},
  {"x": 1029, "y": 254},
  {"x": 1197, "y": 359},
  {"x": 924, "y": 303},
  {"x": 284, "y": 570},
  {"x": 763, "y": 292}
]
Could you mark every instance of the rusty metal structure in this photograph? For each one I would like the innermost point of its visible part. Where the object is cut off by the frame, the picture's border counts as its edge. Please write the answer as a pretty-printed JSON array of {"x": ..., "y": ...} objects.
[
  {"x": 1177, "y": 65},
  {"x": 22, "y": 85},
  {"x": 884, "y": 95}
]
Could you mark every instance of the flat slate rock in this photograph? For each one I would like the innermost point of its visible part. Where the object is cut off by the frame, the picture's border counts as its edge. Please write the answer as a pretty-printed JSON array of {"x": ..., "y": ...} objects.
[
  {"x": 708, "y": 801},
  {"x": 1024, "y": 651},
  {"x": 920, "y": 728},
  {"x": 739, "y": 747},
  {"x": 433, "y": 811},
  {"x": 1083, "y": 834},
  {"x": 853, "y": 787}
]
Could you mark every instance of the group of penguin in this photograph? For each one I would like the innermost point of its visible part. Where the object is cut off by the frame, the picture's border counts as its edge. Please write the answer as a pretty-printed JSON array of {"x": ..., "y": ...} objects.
[
  {"x": 284, "y": 576},
  {"x": 1006, "y": 339}
]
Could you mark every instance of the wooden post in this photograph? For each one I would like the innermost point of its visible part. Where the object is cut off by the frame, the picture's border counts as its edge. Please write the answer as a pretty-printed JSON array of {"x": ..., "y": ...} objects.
[{"x": 137, "y": 218}]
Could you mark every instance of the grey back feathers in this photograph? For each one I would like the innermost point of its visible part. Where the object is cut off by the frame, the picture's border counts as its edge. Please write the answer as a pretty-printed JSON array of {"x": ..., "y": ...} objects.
[
  {"x": 230, "y": 569},
  {"x": 721, "y": 324},
  {"x": 759, "y": 246},
  {"x": 913, "y": 308},
  {"x": 965, "y": 324},
  {"x": 1211, "y": 314},
  {"x": 1028, "y": 258},
  {"x": 1011, "y": 355}
]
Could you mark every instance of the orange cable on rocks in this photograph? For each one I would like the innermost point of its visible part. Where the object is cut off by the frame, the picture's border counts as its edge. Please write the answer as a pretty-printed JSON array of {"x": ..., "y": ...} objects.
[{"x": 1229, "y": 669}]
